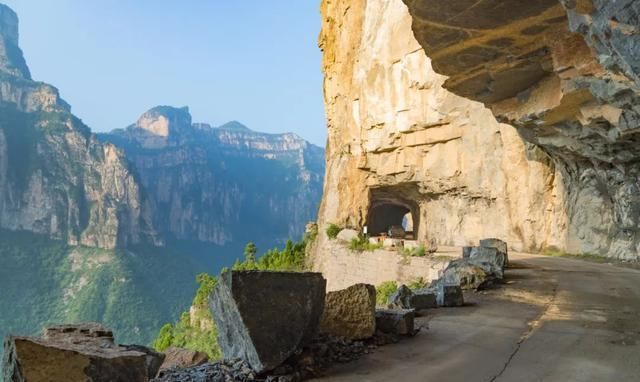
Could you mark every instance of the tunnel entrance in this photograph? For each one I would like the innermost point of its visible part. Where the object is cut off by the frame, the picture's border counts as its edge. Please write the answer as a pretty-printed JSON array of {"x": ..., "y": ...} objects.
[{"x": 394, "y": 212}]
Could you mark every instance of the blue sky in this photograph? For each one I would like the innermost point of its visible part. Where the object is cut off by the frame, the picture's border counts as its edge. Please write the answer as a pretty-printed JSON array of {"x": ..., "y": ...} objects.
[{"x": 254, "y": 61}]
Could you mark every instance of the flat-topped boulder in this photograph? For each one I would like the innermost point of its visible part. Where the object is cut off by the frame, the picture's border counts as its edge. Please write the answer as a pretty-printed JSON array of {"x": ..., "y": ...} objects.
[
  {"x": 77, "y": 353},
  {"x": 350, "y": 313},
  {"x": 447, "y": 294},
  {"x": 347, "y": 235},
  {"x": 425, "y": 298},
  {"x": 264, "y": 317},
  {"x": 470, "y": 275},
  {"x": 498, "y": 244},
  {"x": 179, "y": 358},
  {"x": 395, "y": 321}
]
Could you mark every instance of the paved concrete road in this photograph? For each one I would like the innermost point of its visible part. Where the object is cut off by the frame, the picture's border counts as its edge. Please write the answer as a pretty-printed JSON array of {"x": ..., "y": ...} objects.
[{"x": 556, "y": 320}]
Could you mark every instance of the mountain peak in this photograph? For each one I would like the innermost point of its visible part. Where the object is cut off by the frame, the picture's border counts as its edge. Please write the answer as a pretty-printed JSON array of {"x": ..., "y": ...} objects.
[
  {"x": 162, "y": 121},
  {"x": 8, "y": 24},
  {"x": 11, "y": 58},
  {"x": 234, "y": 125}
]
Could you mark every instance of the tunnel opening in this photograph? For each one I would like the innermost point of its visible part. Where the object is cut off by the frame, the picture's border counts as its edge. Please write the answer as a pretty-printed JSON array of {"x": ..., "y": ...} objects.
[{"x": 393, "y": 212}]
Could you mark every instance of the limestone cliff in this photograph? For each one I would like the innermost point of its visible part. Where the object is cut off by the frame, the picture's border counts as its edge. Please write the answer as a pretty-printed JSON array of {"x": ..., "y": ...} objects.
[
  {"x": 405, "y": 138},
  {"x": 566, "y": 75},
  {"x": 224, "y": 184},
  {"x": 55, "y": 177}
]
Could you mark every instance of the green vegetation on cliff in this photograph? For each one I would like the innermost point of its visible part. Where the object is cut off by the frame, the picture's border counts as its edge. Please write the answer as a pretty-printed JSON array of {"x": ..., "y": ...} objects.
[
  {"x": 196, "y": 329},
  {"x": 45, "y": 281}
]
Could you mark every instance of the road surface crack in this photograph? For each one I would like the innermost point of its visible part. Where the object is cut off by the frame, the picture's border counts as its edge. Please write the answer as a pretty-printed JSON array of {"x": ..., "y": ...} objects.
[{"x": 533, "y": 326}]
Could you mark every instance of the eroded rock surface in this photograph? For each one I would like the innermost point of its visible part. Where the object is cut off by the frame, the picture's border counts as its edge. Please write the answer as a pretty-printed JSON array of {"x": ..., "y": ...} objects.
[
  {"x": 350, "y": 313},
  {"x": 77, "y": 353},
  {"x": 264, "y": 317}
]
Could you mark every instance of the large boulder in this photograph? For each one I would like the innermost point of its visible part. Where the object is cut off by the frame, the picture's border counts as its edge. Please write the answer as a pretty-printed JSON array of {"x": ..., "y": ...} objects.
[
  {"x": 469, "y": 275},
  {"x": 77, "y": 353},
  {"x": 179, "y": 358},
  {"x": 447, "y": 294},
  {"x": 495, "y": 259},
  {"x": 350, "y": 313},
  {"x": 498, "y": 244},
  {"x": 424, "y": 299},
  {"x": 264, "y": 317},
  {"x": 450, "y": 295},
  {"x": 395, "y": 321},
  {"x": 420, "y": 299},
  {"x": 348, "y": 234}
]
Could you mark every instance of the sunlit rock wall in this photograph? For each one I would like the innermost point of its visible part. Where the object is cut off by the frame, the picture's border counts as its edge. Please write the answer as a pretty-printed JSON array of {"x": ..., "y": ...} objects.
[
  {"x": 566, "y": 75},
  {"x": 397, "y": 136}
]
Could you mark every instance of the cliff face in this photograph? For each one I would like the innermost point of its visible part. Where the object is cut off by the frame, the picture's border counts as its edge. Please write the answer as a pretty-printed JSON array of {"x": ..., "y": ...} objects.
[
  {"x": 566, "y": 75},
  {"x": 404, "y": 138},
  {"x": 55, "y": 178},
  {"x": 225, "y": 184}
]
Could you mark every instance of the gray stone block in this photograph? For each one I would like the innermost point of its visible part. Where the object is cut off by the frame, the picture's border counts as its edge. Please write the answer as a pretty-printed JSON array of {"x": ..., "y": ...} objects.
[
  {"x": 264, "y": 317},
  {"x": 424, "y": 299},
  {"x": 395, "y": 321},
  {"x": 498, "y": 244},
  {"x": 400, "y": 299},
  {"x": 490, "y": 255}
]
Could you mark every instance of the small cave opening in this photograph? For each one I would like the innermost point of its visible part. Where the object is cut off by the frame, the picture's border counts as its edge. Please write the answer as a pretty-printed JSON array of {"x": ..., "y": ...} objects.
[{"x": 393, "y": 212}]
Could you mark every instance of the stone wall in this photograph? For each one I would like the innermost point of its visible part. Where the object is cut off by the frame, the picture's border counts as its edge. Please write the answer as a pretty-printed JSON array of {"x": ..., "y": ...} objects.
[{"x": 343, "y": 267}]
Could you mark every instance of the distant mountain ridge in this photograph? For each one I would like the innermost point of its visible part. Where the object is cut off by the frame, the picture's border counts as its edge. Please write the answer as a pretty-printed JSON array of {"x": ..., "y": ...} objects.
[
  {"x": 85, "y": 189},
  {"x": 221, "y": 184}
]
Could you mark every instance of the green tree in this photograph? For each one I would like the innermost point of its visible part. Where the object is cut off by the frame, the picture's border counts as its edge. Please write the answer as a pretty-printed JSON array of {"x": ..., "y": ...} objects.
[
  {"x": 165, "y": 338},
  {"x": 250, "y": 253}
]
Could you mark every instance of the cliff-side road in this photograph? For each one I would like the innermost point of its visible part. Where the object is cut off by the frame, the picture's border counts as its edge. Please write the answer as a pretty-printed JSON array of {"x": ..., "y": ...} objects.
[{"x": 557, "y": 319}]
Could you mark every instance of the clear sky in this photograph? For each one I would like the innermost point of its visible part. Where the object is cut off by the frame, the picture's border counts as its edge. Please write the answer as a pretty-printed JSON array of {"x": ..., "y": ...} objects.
[{"x": 255, "y": 61}]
